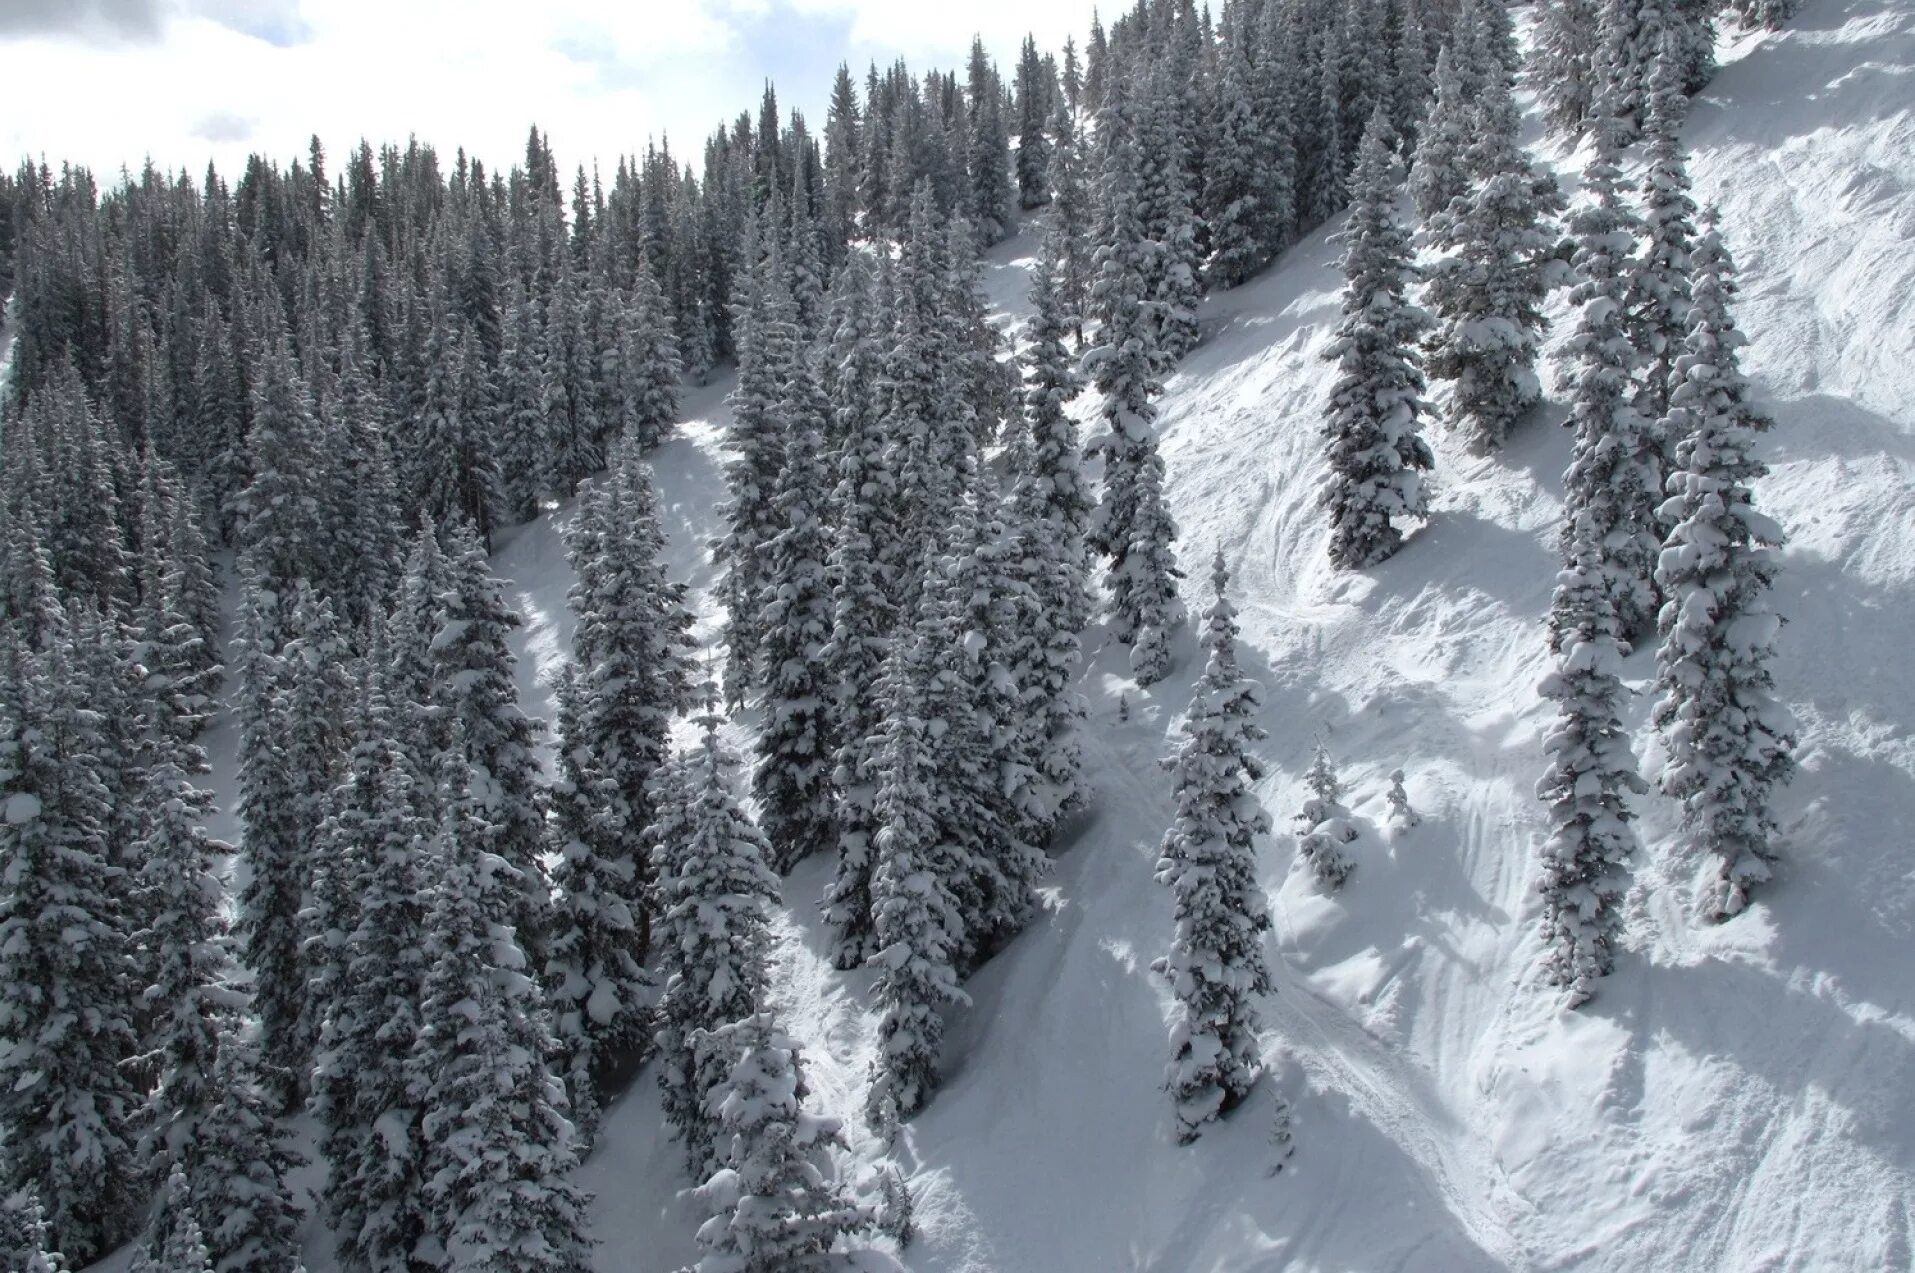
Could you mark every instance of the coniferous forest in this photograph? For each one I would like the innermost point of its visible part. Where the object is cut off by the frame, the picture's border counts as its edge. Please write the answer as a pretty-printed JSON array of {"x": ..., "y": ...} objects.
[{"x": 264, "y": 429}]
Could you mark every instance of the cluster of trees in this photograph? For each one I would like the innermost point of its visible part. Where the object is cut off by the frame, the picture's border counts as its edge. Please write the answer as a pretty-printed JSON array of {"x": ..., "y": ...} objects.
[
  {"x": 1659, "y": 536},
  {"x": 351, "y": 382}
]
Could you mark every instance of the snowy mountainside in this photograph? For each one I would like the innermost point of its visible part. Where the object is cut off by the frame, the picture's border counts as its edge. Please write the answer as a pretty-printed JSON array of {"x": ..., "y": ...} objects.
[
  {"x": 1732, "y": 1099},
  {"x": 1735, "y": 1097}
]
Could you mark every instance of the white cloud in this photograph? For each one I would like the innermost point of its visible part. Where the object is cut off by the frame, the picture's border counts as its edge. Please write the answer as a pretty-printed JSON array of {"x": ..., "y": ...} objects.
[{"x": 218, "y": 78}]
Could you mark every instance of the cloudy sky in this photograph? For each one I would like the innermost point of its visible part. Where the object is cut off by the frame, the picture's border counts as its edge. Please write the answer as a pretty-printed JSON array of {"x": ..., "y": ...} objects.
[{"x": 112, "y": 82}]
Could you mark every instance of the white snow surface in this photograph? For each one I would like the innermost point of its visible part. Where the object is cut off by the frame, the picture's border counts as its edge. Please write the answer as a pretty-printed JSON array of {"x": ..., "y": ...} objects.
[{"x": 1735, "y": 1098}]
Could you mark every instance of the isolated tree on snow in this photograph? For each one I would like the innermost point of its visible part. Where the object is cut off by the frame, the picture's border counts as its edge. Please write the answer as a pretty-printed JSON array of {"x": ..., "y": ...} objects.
[
  {"x": 1323, "y": 825},
  {"x": 1590, "y": 773},
  {"x": 714, "y": 898},
  {"x": 775, "y": 1208},
  {"x": 1375, "y": 448},
  {"x": 1402, "y": 816},
  {"x": 1209, "y": 861},
  {"x": 1728, "y": 742}
]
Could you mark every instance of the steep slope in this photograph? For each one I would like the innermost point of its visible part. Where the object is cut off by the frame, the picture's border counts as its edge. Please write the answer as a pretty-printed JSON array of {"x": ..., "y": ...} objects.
[{"x": 1732, "y": 1099}]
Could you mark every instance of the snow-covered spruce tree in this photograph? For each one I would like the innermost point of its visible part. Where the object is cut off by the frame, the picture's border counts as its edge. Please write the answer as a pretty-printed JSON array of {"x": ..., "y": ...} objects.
[
  {"x": 476, "y": 701},
  {"x": 66, "y": 980},
  {"x": 1132, "y": 525},
  {"x": 181, "y": 1244},
  {"x": 595, "y": 982},
  {"x": 1233, "y": 180},
  {"x": 1657, "y": 303},
  {"x": 792, "y": 780},
  {"x": 496, "y": 1150},
  {"x": 714, "y": 898},
  {"x": 374, "y": 1201},
  {"x": 862, "y": 620},
  {"x": 767, "y": 336},
  {"x": 192, "y": 992},
  {"x": 1614, "y": 478},
  {"x": 1276, "y": 81},
  {"x": 23, "y": 1235},
  {"x": 1375, "y": 451},
  {"x": 1438, "y": 177},
  {"x": 1054, "y": 459},
  {"x": 1323, "y": 825},
  {"x": 1172, "y": 262},
  {"x": 1049, "y": 513},
  {"x": 272, "y": 845},
  {"x": 916, "y": 919},
  {"x": 317, "y": 694},
  {"x": 774, "y": 1206},
  {"x": 986, "y": 778},
  {"x": 1729, "y": 742},
  {"x": 1402, "y": 815},
  {"x": 1636, "y": 34},
  {"x": 1209, "y": 861},
  {"x": 648, "y": 366},
  {"x": 237, "y": 1166},
  {"x": 1563, "y": 66},
  {"x": 1770, "y": 14},
  {"x": 1035, "y": 88},
  {"x": 1590, "y": 774},
  {"x": 1072, "y": 215},
  {"x": 630, "y": 648},
  {"x": 1499, "y": 260}
]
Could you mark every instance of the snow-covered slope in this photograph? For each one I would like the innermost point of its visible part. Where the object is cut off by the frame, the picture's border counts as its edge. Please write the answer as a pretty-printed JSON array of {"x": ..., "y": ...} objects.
[{"x": 1735, "y": 1098}]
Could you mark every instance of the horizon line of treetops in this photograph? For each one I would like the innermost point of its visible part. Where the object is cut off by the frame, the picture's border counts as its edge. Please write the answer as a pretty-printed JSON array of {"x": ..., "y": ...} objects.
[{"x": 351, "y": 385}]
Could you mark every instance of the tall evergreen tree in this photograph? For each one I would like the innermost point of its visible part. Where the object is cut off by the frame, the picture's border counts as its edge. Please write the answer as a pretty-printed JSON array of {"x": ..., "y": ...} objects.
[
  {"x": 272, "y": 894},
  {"x": 66, "y": 984},
  {"x": 767, "y": 356},
  {"x": 774, "y": 1207},
  {"x": 1209, "y": 861},
  {"x": 1728, "y": 742},
  {"x": 792, "y": 781},
  {"x": 1656, "y": 305},
  {"x": 496, "y": 1150},
  {"x": 1498, "y": 262},
  {"x": 595, "y": 981},
  {"x": 715, "y": 894},
  {"x": 373, "y": 1198},
  {"x": 917, "y": 925},
  {"x": 1133, "y": 526},
  {"x": 475, "y": 706},
  {"x": 1438, "y": 176},
  {"x": 1590, "y": 774},
  {"x": 1375, "y": 446},
  {"x": 1563, "y": 67},
  {"x": 1615, "y": 475}
]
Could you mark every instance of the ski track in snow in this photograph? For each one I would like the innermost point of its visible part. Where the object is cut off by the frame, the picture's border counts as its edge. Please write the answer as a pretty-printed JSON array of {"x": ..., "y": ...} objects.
[{"x": 1735, "y": 1097}]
